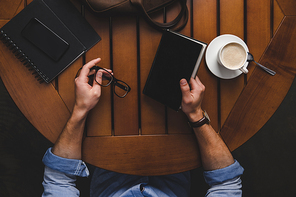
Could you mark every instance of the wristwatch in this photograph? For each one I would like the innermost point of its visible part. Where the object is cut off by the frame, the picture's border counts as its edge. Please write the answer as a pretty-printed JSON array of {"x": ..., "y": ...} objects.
[{"x": 204, "y": 120}]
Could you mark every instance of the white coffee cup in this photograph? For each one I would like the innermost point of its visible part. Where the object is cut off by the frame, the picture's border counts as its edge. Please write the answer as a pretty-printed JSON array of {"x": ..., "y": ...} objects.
[{"x": 233, "y": 56}]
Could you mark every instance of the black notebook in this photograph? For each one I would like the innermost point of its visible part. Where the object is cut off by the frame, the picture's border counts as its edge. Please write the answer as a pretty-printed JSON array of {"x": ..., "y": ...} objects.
[
  {"x": 177, "y": 57},
  {"x": 48, "y": 36}
]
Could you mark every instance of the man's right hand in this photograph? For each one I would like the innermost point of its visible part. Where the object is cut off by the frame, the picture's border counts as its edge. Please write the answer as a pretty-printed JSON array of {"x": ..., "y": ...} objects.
[{"x": 87, "y": 96}]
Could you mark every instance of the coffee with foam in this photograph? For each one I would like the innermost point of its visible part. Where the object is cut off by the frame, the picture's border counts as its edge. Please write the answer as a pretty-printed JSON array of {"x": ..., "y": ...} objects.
[{"x": 233, "y": 56}]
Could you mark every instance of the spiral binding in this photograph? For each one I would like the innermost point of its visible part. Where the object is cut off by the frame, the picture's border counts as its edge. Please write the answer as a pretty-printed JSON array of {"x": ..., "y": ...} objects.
[{"x": 19, "y": 54}]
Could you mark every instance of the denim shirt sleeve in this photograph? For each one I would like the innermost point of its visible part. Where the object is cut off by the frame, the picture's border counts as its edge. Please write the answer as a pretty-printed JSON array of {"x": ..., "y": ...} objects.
[
  {"x": 60, "y": 175},
  {"x": 225, "y": 181}
]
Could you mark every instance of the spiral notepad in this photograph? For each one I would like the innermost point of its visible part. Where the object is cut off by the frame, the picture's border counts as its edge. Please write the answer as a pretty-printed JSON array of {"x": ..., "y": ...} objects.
[
  {"x": 47, "y": 36},
  {"x": 23, "y": 57}
]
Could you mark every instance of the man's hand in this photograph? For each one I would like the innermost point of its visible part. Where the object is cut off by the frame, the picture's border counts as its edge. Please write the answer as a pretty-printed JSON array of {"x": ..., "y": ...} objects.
[
  {"x": 68, "y": 145},
  {"x": 87, "y": 96},
  {"x": 213, "y": 151},
  {"x": 192, "y": 98}
]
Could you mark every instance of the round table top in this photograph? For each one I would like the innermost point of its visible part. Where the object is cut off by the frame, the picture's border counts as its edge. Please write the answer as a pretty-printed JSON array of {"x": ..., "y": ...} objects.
[{"x": 137, "y": 135}]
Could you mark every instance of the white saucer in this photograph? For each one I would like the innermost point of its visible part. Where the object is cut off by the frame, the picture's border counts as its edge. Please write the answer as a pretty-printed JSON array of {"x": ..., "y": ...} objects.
[{"x": 212, "y": 55}]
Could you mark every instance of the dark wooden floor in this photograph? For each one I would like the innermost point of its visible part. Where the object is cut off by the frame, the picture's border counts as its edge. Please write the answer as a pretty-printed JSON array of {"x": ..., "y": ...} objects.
[{"x": 268, "y": 157}]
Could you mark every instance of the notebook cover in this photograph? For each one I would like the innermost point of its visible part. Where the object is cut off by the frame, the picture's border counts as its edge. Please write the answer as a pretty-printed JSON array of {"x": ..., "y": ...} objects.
[
  {"x": 49, "y": 15},
  {"x": 177, "y": 57},
  {"x": 73, "y": 20}
]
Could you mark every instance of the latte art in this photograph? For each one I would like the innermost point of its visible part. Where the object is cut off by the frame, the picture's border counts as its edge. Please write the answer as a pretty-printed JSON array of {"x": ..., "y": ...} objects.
[{"x": 233, "y": 56}]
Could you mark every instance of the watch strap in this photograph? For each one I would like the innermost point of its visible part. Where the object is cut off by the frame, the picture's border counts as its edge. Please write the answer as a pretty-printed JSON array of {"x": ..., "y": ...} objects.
[{"x": 202, "y": 121}]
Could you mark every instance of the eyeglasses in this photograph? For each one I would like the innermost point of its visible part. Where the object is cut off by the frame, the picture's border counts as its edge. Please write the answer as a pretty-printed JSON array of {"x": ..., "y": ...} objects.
[{"x": 120, "y": 88}]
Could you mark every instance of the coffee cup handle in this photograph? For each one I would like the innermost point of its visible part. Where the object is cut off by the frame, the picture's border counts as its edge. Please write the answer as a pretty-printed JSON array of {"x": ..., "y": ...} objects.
[{"x": 244, "y": 70}]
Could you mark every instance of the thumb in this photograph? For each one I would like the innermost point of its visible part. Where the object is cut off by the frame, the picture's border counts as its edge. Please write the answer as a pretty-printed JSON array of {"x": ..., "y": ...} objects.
[
  {"x": 97, "y": 81},
  {"x": 185, "y": 89},
  {"x": 99, "y": 76}
]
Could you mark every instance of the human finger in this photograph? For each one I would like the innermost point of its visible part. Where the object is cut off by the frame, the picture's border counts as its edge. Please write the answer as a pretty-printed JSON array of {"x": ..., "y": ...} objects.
[
  {"x": 196, "y": 85},
  {"x": 185, "y": 89},
  {"x": 193, "y": 84},
  {"x": 99, "y": 76},
  {"x": 96, "y": 88},
  {"x": 86, "y": 68},
  {"x": 198, "y": 81}
]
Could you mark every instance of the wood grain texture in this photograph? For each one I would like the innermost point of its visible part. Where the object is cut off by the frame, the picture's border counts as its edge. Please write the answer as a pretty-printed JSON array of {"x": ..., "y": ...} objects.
[
  {"x": 231, "y": 22},
  {"x": 36, "y": 101},
  {"x": 232, "y": 17},
  {"x": 9, "y": 8},
  {"x": 66, "y": 86},
  {"x": 3, "y": 22},
  {"x": 264, "y": 93},
  {"x": 288, "y": 7},
  {"x": 125, "y": 68},
  {"x": 143, "y": 155},
  {"x": 258, "y": 29},
  {"x": 152, "y": 112},
  {"x": 99, "y": 120},
  {"x": 205, "y": 29},
  {"x": 278, "y": 16}
]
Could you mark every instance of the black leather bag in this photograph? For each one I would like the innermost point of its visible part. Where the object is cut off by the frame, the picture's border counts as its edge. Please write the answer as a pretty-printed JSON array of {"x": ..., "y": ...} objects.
[{"x": 142, "y": 8}]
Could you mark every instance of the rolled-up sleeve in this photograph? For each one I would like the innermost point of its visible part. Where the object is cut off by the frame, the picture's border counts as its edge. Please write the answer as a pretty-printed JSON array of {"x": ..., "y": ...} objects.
[
  {"x": 225, "y": 181},
  {"x": 60, "y": 175}
]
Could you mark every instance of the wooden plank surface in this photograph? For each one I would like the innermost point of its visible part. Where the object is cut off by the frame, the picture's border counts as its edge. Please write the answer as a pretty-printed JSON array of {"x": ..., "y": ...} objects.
[
  {"x": 153, "y": 119},
  {"x": 10, "y": 8},
  {"x": 99, "y": 121},
  {"x": 160, "y": 141},
  {"x": 258, "y": 29},
  {"x": 65, "y": 84},
  {"x": 125, "y": 68},
  {"x": 264, "y": 93},
  {"x": 143, "y": 155},
  {"x": 278, "y": 16},
  {"x": 231, "y": 17},
  {"x": 205, "y": 29},
  {"x": 36, "y": 101},
  {"x": 288, "y": 7}
]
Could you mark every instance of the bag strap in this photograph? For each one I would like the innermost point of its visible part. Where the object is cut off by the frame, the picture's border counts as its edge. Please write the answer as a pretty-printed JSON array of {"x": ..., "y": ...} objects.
[{"x": 164, "y": 26}]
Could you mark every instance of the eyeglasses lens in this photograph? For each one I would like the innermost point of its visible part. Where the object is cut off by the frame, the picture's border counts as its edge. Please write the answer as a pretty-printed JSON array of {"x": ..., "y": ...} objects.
[
  {"x": 103, "y": 77},
  {"x": 121, "y": 89}
]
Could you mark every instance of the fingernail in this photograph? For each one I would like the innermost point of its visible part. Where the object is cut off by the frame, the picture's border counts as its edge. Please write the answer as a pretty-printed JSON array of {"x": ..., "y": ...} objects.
[
  {"x": 183, "y": 82},
  {"x": 99, "y": 74}
]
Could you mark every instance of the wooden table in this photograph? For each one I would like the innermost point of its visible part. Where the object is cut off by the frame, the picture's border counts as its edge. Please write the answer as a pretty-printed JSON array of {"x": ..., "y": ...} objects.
[{"x": 137, "y": 135}]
